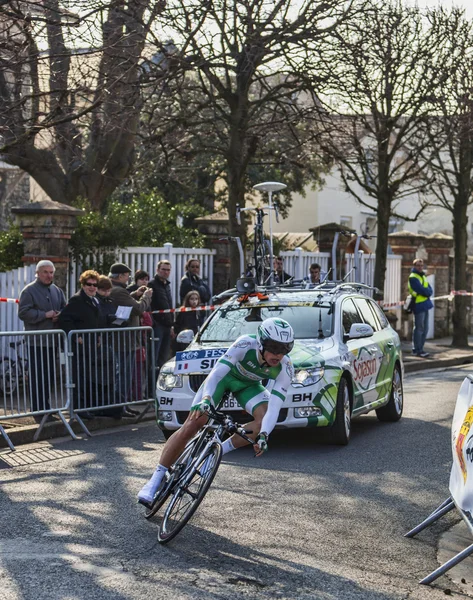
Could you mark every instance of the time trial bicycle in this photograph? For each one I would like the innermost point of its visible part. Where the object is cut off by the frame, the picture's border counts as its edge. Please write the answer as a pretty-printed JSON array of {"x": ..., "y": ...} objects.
[{"x": 190, "y": 477}]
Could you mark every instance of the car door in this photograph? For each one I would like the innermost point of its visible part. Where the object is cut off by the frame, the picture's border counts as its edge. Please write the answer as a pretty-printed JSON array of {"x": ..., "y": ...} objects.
[
  {"x": 382, "y": 352},
  {"x": 356, "y": 351},
  {"x": 370, "y": 356}
]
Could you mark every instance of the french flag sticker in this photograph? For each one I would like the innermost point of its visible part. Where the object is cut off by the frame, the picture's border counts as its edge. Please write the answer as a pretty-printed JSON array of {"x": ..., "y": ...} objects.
[{"x": 182, "y": 366}]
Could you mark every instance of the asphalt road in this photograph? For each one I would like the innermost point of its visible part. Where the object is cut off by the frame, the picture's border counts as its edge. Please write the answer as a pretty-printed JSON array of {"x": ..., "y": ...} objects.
[{"x": 308, "y": 520}]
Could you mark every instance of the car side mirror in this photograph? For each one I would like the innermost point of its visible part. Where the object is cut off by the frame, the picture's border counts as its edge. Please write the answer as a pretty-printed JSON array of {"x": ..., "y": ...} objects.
[
  {"x": 359, "y": 330},
  {"x": 185, "y": 336}
]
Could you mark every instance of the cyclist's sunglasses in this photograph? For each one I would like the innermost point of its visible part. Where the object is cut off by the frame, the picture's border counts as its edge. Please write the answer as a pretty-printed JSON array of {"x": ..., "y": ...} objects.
[{"x": 277, "y": 347}]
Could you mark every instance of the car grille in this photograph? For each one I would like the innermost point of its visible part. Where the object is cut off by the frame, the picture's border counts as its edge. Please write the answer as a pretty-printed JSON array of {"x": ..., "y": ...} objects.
[
  {"x": 241, "y": 417},
  {"x": 195, "y": 381}
]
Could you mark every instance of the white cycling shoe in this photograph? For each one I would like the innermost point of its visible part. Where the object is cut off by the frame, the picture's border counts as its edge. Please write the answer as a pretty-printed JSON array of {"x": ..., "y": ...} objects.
[{"x": 148, "y": 491}]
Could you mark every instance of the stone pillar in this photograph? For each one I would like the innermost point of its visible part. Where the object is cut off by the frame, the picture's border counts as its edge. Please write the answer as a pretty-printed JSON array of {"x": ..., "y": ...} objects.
[
  {"x": 435, "y": 249},
  {"x": 439, "y": 247},
  {"x": 324, "y": 236},
  {"x": 214, "y": 227},
  {"x": 47, "y": 227}
]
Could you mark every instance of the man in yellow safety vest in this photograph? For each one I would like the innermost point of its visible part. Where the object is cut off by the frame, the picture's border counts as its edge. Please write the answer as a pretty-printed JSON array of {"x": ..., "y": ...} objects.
[{"x": 421, "y": 291}]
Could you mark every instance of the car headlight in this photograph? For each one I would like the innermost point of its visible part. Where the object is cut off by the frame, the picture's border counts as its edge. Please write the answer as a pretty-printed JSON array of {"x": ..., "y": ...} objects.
[
  {"x": 167, "y": 380},
  {"x": 305, "y": 377}
]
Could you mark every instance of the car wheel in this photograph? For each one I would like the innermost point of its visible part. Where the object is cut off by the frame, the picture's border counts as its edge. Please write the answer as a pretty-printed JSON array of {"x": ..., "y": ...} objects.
[
  {"x": 392, "y": 411},
  {"x": 341, "y": 427},
  {"x": 167, "y": 434}
]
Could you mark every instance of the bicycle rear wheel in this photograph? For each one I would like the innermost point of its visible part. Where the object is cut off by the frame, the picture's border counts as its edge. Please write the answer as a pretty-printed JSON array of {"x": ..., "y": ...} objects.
[{"x": 189, "y": 493}]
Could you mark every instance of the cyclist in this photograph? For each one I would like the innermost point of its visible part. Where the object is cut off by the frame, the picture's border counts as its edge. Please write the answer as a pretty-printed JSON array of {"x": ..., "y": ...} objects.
[{"x": 241, "y": 370}]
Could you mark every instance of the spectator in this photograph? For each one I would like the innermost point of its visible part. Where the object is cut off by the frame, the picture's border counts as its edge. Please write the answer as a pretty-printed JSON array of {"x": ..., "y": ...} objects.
[
  {"x": 192, "y": 281},
  {"x": 106, "y": 353},
  {"x": 107, "y": 307},
  {"x": 82, "y": 312},
  {"x": 139, "y": 301},
  {"x": 421, "y": 291},
  {"x": 279, "y": 275},
  {"x": 162, "y": 299},
  {"x": 316, "y": 275},
  {"x": 39, "y": 307},
  {"x": 188, "y": 320},
  {"x": 141, "y": 279}
]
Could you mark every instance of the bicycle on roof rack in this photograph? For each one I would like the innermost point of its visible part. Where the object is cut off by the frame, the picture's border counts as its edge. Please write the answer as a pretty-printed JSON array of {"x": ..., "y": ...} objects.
[
  {"x": 262, "y": 267},
  {"x": 190, "y": 477}
]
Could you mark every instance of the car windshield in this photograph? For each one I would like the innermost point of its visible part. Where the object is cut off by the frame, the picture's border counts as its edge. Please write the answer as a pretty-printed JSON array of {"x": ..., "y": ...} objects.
[{"x": 307, "y": 321}]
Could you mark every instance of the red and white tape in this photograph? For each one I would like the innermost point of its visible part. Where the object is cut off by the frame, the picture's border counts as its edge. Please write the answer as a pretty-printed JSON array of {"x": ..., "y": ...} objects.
[
  {"x": 212, "y": 307},
  {"x": 182, "y": 309}
]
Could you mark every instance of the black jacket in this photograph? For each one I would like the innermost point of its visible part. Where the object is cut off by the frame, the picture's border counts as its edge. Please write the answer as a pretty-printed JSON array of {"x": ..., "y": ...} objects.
[
  {"x": 81, "y": 312},
  {"x": 161, "y": 299},
  {"x": 188, "y": 320},
  {"x": 192, "y": 282},
  {"x": 107, "y": 310}
]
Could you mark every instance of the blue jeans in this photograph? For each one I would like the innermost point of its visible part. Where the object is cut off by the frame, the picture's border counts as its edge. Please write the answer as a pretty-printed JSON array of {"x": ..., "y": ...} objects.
[
  {"x": 162, "y": 345},
  {"x": 419, "y": 334}
]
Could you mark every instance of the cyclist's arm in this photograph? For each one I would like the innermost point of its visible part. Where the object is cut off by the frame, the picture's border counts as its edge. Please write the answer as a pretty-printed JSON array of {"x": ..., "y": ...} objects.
[{"x": 278, "y": 395}]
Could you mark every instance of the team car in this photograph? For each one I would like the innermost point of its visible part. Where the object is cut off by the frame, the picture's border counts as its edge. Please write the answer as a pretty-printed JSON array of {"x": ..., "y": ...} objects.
[{"x": 347, "y": 358}]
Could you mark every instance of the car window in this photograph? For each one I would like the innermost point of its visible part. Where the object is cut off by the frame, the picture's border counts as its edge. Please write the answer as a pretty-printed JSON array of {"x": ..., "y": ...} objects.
[
  {"x": 350, "y": 315},
  {"x": 228, "y": 324},
  {"x": 378, "y": 311},
  {"x": 368, "y": 316}
]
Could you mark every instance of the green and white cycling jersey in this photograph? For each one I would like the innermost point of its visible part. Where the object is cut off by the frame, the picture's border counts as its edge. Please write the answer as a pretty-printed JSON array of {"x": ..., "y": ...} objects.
[{"x": 240, "y": 371}]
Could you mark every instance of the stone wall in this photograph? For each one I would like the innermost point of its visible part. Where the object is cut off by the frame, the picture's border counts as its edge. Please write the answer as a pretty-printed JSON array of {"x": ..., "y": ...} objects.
[{"x": 14, "y": 191}]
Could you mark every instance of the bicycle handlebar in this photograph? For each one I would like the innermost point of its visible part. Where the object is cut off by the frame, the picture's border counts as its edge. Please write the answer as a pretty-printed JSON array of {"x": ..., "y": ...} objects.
[{"x": 228, "y": 423}]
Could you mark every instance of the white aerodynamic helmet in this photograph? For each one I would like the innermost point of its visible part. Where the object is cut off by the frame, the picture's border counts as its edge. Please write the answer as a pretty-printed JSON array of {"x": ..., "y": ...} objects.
[{"x": 276, "y": 336}]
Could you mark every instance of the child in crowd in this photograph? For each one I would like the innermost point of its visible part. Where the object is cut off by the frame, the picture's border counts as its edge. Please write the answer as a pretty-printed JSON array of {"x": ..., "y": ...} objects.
[{"x": 189, "y": 320}]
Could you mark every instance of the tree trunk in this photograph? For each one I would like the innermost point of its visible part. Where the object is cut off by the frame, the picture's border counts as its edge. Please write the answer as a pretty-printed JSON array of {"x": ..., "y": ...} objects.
[
  {"x": 461, "y": 303},
  {"x": 383, "y": 213}
]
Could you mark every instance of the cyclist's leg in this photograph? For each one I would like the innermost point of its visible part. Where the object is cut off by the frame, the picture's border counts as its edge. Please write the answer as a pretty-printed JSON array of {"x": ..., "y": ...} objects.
[
  {"x": 172, "y": 450},
  {"x": 254, "y": 399}
]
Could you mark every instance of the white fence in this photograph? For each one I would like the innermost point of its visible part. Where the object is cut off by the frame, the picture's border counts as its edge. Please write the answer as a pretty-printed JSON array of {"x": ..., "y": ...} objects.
[
  {"x": 297, "y": 262},
  {"x": 364, "y": 273},
  {"x": 147, "y": 259},
  {"x": 11, "y": 284}
]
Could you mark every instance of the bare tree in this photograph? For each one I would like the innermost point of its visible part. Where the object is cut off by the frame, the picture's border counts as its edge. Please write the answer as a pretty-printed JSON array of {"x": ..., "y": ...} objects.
[
  {"x": 242, "y": 91},
  {"x": 70, "y": 92},
  {"x": 450, "y": 152},
  {"x": 381, "y": 71}
]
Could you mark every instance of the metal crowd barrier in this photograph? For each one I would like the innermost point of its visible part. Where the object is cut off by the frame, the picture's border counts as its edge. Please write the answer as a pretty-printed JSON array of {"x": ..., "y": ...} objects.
[
  {"x": 110, "y": 369},
  {"x": 86, "y": 373},
  {"x": 33, "y": 375}
]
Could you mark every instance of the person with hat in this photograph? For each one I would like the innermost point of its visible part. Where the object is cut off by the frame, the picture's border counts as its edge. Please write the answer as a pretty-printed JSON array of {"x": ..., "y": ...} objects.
[{"x": 139, "y": 301}]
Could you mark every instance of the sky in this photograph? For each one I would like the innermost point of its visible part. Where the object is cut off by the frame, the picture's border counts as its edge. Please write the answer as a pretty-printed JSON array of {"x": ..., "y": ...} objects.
[{"x": 466, "y": 4}]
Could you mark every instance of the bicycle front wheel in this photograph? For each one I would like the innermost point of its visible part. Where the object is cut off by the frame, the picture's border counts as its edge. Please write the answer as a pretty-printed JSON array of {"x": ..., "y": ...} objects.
[
  {"x": 174, "y": 474},
  {"x": 189, "y": 493}
]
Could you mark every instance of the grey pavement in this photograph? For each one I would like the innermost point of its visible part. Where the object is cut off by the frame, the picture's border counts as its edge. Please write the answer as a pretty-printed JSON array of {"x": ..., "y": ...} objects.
[{"x": 452, "y": 540}]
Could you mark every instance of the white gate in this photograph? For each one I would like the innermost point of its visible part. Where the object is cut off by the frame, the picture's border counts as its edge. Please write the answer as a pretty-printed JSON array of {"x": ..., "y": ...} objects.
[
  {"x": 11, "y": 284},
  {"x": 147, "y": 259},
  {"x": 297, "y": 262}
]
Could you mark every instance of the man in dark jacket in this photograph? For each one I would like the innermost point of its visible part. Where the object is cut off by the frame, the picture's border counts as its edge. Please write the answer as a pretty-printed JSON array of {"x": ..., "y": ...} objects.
[
  {"x": 162, "y": 299},
  {"x": 421, "y": 291},
  {"x": 192, "y": 282},
  {"x": 39, "y": 307}
]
